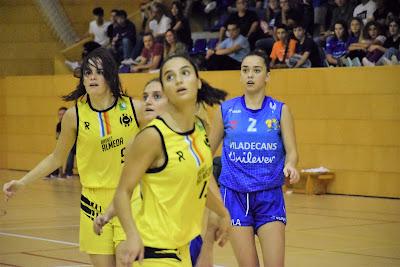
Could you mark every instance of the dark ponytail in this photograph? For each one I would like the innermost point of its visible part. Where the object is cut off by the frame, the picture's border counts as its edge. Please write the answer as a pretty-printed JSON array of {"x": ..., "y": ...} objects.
[
  {"x": 210, "y": 95},
  {"x": 206, "y": 94},
  {"x": 100, "y": 57}
]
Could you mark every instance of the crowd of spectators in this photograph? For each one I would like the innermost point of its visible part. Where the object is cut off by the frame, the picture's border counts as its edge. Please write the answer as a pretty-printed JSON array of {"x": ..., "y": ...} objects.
[{"x": 295, "y": 33}]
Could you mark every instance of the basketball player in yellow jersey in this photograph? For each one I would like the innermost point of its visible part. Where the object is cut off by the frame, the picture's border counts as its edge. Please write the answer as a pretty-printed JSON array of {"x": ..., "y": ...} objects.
[
  {"x": 154, "y": 102},
  {"x": 102, "y": 123},
  {"x": 173, "y": 160}
]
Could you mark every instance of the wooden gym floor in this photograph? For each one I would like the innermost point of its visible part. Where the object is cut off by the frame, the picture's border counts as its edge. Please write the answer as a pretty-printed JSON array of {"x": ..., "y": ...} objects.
[{"x": 39, "y": 227}]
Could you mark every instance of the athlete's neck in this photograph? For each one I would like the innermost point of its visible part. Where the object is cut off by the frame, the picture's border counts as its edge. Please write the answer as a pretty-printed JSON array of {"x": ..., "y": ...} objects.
[
  {"x": 102, "y": 102},
  {"x": 254, "y": 100},
  {"x": 180, "y": 120}
]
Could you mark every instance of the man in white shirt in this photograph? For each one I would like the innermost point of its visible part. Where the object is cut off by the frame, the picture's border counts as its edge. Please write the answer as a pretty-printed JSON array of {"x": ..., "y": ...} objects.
[
  {"x": 159, "y": 22},
  {"x": 365, "y": 10},
  {"x": 98, "y": 28}
]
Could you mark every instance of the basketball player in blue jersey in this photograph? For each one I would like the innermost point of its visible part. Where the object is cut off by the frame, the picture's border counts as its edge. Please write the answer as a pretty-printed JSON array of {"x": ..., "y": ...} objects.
[
  {"x": 102, "y": 122},
  {"x": 259, "y": 150},
  {"x": 172, "y": 160}
]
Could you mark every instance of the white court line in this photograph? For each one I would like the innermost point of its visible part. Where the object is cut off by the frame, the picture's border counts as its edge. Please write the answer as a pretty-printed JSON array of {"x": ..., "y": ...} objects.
[
  {"x": 40, "y": 227},
  {"x": 39, "y": 238}
]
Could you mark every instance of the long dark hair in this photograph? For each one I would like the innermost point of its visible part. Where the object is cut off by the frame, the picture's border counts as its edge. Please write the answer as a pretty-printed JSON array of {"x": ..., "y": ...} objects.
[
  {"x": 179, "y": 6},
  {"x": 345, "y": 36},
  {"x": 285, "y": 42},
  {"x": 361, "y": 27},
  {"x": 98, "y": 58},
  {"x": 366, "y": 34},
  {"x": 207, "y": 93}
]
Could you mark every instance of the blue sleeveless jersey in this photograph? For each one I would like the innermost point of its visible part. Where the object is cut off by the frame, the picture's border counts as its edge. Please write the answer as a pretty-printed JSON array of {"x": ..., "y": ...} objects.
[{"x": 253, "y": 154}]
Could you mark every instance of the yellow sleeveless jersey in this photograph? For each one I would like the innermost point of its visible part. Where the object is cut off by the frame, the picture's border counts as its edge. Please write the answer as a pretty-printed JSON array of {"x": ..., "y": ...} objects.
[
  {"x": 101, "y": 140},
  {"x": 174, "y": 195}
]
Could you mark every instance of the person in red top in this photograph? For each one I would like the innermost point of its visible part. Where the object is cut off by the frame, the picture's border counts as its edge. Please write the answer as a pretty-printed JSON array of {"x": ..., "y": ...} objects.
[
  {"x": 283, "y": 48},
  {"x": 151, "y": 55}
]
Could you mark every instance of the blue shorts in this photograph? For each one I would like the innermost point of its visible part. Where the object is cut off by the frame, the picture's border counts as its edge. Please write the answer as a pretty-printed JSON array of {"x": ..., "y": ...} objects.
[
  {"x": 255, "y": 208},
  {"x": 195, "y": 247}
]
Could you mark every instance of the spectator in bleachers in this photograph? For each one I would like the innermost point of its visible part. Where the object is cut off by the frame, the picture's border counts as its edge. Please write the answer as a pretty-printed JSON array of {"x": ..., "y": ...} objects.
[
  {"x": 337, "y": 45},
  {"x": 145, "y": 10},
  {"x": 267, "y": 27},
  {"x": 289, "y": 14},
  {"x": 124, "y": 36},
  {"x": 247, "y": 21},
  {"x": 259, "y": 8},
  {"x": 70, "y": 160},
  {"x": 284, "y": 47},
  {"x": 172, "y": 46},
  {"x": 229, "y": 53},
  {"x": 385, "y": 11},
  {"x": 307, "y": 16},
  {"x": 365, "y": 10},
  {"x": 113, "y": 25},
  {"x": 320, "y": 11},
  {"x": 372, "y": 35},
  {"x": 98, "y": 27},
  {"x": 390, "y": 47},
  {"x": 394, "y": 7},
  {"x": 180, "y": 24},
  {"x": 75, "y": 65},
  {"x": 151, "y": 56},
  {"x": 343, "y": 10},
  {"x": 356, "y": 27},
  {"x": 306, "y": 53},
  {"x": 271, "y": 13},
  {"x": 159, "y": 22}
]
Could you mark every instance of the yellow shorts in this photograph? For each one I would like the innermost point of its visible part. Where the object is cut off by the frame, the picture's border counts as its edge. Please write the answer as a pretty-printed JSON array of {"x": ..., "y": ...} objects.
[
  {"x": 95, "y": 201},
  {"x": 172, "y": 258}
]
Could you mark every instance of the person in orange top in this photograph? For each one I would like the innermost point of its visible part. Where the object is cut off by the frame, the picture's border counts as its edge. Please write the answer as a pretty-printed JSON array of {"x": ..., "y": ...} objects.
[{"x": 283, "y": 48}]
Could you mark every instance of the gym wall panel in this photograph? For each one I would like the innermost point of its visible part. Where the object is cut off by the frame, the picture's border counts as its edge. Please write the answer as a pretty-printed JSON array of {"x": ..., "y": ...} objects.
[
  {"x": 19, "y": 66},
  {"x": 336, "y": 157},
  {"x": 39, "y": 86},
  {"x": 134, "y": 85},
  {"x": 23, "y": 161},
  {"x": 33, "y": 106},
  {"x": 3, "y": 152},
  {"x": 347, "y": 119},
  {"x": 28, "y": 50},
  {"x": 17, "y": 32},
  {"x": 42, "y": 125},
  {"x": 386, "y": 159},
  {"x": 28, "y": 143},
  {"x": 348, "y": 132},
  {"x": 3, "y": 127},
  {"x": 27, "y": 13},
  {"x": 365, "y": 183},
  {"x": 386, "y": 107}
]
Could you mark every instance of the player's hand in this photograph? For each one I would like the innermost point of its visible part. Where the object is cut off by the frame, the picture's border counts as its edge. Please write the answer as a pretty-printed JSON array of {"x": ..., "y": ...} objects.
[
  {"x": 292, "y": 173},
  {"x": 130, "y": 250},
  {"x": 99, "y": 222},
  {"x": 222, "y": 232},
  {"x": 11, "y": 188}
]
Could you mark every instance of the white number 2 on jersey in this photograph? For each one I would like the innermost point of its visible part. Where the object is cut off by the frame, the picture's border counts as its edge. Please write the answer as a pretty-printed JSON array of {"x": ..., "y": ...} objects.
[{"x": 252, "y": 125}]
